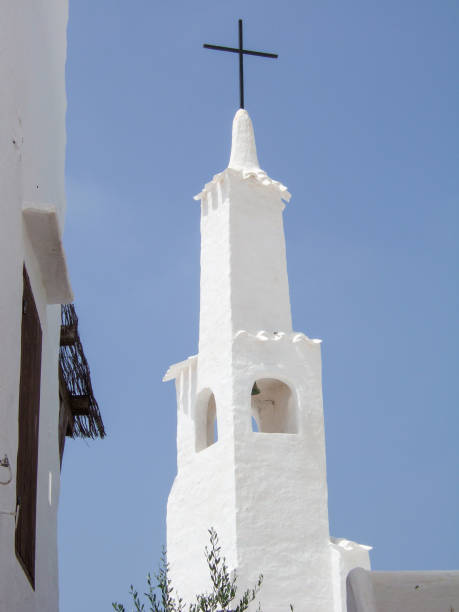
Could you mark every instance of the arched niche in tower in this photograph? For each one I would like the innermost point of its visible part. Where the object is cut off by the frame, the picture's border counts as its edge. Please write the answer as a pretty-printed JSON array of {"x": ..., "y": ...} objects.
[
  {"x": 273, "y": 407},
  {"x": 206, "y": 431}
]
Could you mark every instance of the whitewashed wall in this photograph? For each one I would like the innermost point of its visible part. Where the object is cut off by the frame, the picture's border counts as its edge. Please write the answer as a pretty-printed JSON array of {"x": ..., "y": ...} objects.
[
  {"x": 32, "y": 157},
  {"x": 415, "y": 591}
]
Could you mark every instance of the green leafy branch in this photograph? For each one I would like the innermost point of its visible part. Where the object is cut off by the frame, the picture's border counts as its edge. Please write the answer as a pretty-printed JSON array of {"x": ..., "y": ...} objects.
[{"x": 161, "y": 595}]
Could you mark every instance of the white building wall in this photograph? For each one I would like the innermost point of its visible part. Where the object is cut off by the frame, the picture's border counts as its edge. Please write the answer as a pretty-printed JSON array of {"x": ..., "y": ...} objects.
[
  {"x": 259, "y": 281},
  {"x": 215, "y": 296},
  {"x": 281, "y": 486},
  {"x": 416, "y": 591},
  {"x": 203, "y": 493},
  {"x": 346, "y": 556},
  {"x": 32, "y": 157}
]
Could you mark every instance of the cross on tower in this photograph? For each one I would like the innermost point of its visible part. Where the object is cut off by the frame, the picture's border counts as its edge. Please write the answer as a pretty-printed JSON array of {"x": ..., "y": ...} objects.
[{"x": 241, "y": 51}]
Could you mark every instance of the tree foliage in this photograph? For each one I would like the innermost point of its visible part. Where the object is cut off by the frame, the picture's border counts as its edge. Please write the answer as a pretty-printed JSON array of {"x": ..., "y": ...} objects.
[{"x": 162, "y": 597}]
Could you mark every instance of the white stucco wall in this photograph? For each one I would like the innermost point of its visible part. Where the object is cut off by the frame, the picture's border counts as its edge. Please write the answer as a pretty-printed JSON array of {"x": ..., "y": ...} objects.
[
  {"x": 415, "y": 591},
  {"x": 32, "y": 156},
  {"x": 346, "y": 556},
  {"x": 264, "y": 493}
]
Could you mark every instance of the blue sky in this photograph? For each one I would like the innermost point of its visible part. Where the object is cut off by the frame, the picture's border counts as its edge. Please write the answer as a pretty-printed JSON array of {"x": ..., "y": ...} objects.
[{"x": 358, "y": 117}]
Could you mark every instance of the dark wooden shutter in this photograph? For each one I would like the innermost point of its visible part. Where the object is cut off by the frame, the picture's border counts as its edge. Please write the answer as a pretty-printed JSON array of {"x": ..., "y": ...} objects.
[{"x": 29, "y": 412}]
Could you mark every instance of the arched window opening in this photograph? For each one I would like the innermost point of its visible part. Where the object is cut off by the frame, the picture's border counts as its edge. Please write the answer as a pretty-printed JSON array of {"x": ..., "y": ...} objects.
[
  {"x": 206, "y": 420},
  {"x": 273, "y": 406}
]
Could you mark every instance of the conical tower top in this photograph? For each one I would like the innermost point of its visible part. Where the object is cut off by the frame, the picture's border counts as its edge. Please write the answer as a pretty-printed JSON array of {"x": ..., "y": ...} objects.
[
  {"x": 244, "y": 160},
  {"x": 243, "y": 148}
]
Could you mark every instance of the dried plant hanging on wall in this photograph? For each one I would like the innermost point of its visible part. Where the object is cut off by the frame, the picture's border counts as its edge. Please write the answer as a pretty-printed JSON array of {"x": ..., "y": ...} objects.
[{"x": 76, "y": 378}]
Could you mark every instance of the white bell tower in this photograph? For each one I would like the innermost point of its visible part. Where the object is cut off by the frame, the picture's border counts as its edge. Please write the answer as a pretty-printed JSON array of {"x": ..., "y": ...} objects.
[{"x": 250, "y": 439}]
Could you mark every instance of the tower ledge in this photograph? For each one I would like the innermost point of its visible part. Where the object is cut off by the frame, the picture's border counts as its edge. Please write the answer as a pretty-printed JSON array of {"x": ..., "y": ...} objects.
[
  {"x": 256, "y": 175},
  {"x": 175, "y": 369},
  {"x": 262, "y": 336},
  {"x": 265, "y": 336}
]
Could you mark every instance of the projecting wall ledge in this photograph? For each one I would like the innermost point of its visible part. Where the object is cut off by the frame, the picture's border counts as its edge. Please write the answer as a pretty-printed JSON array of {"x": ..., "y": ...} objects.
[
  {"x": 277, "y": 336},
  {"x": 42, "y": 225}
]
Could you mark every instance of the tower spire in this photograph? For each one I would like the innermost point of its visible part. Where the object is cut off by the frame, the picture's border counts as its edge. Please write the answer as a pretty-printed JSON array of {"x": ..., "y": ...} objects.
[{"x": 243, "y": 148}]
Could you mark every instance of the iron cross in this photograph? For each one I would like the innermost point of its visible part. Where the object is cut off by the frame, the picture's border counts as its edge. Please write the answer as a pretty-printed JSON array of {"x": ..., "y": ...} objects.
[{"x": 241, "y": 51}]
